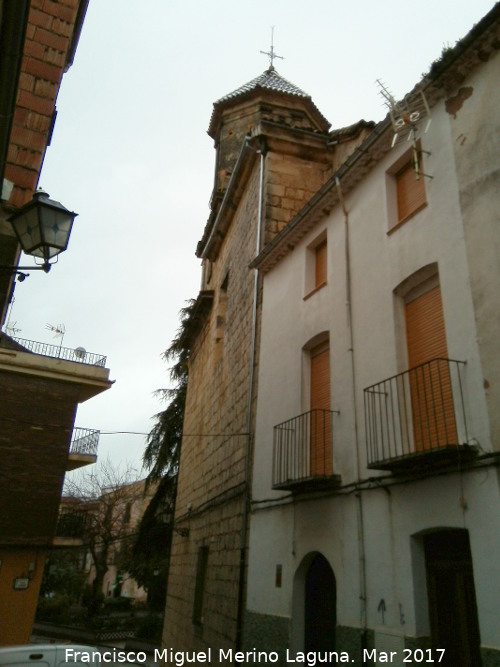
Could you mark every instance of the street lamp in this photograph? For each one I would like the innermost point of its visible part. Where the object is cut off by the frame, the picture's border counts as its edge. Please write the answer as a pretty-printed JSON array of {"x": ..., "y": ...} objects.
[{"x": 42, "y": 227}]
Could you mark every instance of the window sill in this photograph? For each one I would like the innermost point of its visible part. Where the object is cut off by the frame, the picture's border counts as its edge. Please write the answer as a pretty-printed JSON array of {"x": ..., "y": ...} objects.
[
  {"x": 405, "y": 220},
  {"x": 316, "y": 289}
]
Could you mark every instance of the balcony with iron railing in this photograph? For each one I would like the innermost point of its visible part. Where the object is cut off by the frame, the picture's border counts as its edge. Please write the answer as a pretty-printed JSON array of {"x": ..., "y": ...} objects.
[
  {"x": 83, "y": 448},
  {"x": 303, "y": 453},
  {"x": 78, "y": 355},
  {"x": 417, "y": 419},
  {"x": 71, "y": 524}
]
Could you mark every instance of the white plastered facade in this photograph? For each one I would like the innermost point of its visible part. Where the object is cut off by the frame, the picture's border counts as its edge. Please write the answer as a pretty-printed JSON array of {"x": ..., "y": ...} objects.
[{"x": 286, "y": 529}]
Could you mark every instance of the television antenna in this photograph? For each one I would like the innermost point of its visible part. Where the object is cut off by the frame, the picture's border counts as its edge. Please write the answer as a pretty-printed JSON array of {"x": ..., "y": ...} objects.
[
  {"x": 11, "y": 329},
  {"x": 9, "y": 317},
  {"x": 406, "y": 119},
  {"x": 59, "y": 330},
  {"x": 401, "y": 114}
]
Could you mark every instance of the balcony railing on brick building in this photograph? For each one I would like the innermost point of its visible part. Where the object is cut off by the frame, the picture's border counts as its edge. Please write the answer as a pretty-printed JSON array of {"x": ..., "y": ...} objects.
[
  {"x": 78, "y": 354},
  {"x": 84, "y": 441},
  {"x": 303, "y": 452},
  {"x": 417, "y": 418},
  {"x": 71, "y": 524}
]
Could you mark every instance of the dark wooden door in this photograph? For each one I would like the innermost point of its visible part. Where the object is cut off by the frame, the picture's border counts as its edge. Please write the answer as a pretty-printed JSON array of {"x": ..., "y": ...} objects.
[
  {"x": 320, "y": 606},
  {"x": 452, "y": 598}
]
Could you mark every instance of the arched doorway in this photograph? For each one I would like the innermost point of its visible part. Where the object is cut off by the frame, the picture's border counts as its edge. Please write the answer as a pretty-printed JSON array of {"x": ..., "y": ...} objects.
[{"x": 320, "y": 606}]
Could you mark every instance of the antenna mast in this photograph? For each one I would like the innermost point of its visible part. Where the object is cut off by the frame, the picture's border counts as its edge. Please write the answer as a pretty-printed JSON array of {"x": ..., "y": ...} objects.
[
  {"x": 59, "y": 331},
  {"x": 403, "y": 118}
]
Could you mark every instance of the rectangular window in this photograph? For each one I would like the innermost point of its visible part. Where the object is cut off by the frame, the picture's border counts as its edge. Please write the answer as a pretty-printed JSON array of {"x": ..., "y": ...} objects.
[
  {"x": 431, "y": 391},
  {"x": 410, "y": 190},
  {"x": 320, "y": 264},
  {"x": 320, "y": 429},
  {"x": 201, "y": 575},
  {"x": 316, "y": 265},
  {"x": 127, "y": 513}
]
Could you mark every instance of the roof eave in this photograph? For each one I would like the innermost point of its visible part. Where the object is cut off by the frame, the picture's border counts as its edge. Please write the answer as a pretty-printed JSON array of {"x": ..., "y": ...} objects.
[
  {"x": 324, "y": 200},
  {"x": 215, "y": 230},
  {"x": 483, "y": 39},
  {"x": 219, "y": 107}
]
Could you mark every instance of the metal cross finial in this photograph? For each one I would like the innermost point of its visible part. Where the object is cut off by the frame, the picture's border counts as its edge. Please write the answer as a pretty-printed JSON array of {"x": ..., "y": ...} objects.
[{"x": 272, "y": 55}]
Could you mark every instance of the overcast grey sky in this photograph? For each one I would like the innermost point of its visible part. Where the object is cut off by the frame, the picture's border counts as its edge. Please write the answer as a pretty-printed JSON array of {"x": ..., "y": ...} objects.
[{"x": 131, "y": 155}]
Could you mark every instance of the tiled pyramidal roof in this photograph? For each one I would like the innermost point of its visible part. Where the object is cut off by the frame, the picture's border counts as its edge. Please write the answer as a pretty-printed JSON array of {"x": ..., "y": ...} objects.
[
  {"x": 269, "y": 79},
  {"x": 272, "y": 82}
]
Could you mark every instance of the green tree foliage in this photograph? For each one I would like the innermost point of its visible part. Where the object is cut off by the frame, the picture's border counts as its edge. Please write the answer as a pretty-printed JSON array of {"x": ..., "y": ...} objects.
[
  {"x": 150, "y": 552},
  {"x": 161, "y": 456},
  {"x": 64, "y": 574}
]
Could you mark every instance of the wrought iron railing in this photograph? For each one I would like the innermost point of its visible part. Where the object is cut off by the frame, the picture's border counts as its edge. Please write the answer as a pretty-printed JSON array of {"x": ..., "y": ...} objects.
[
  {"x": 79, "y": 354},
  {"x": 71, "y": 523},
  {"x": 302, "y": 449},
  {"x": 418, "y": 411},
  {"x": 84, "y": 441}
]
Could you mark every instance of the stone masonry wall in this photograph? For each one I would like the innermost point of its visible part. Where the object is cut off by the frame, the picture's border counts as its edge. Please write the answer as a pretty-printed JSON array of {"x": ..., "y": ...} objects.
[
  {"x": 211, "y": 486},
  {"x": 212, "y": 465},
  {"x": 290, "y": 183}
]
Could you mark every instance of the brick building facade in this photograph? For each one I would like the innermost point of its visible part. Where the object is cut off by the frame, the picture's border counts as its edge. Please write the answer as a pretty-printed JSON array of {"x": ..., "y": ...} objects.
[
  {"x": 40, "y": 388},
  {"x": 38, "y": 40}
]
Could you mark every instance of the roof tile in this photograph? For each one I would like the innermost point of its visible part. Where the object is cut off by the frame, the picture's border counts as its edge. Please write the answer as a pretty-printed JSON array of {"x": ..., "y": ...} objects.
[{"x": 271, "y": 80}]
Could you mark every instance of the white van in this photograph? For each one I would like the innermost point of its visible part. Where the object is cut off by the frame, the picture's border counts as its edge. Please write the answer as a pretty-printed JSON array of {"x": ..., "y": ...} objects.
[
  {"x": 61, "y": 655},
  {"x": 42, "y": 655}
]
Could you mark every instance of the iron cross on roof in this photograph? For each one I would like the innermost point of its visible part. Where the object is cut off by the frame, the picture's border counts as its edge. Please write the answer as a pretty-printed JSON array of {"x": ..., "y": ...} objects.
[{"x": 272, "y": 55}]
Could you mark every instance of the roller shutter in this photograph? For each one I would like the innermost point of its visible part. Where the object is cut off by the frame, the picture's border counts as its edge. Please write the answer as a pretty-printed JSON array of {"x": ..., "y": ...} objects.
[
  {"x": 321, "y": 455},
  {"x": 320, "y": 277},
  {"x": 430, "y": 384},
  {"x": 410, "y": 192}
]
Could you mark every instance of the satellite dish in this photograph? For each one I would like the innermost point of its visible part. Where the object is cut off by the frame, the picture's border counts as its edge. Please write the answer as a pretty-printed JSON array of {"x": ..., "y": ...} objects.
[{"x": 80, "y": 352}]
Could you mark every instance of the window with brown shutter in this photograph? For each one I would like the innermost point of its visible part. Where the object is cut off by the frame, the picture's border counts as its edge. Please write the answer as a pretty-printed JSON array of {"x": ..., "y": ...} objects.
[
  {"x": 410, "y": 190},
  {"x": 320, "y": 445},
  {"x": 320, "y": 264},
  {"x": 316, "y": 265},
  {"x": 430, "y": 383}
]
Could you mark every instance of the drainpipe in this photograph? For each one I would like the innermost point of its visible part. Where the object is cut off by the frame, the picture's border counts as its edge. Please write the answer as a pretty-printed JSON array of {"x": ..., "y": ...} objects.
[
  {"x": 249, "y": 434},
  {"x": 359, "y": 500}
]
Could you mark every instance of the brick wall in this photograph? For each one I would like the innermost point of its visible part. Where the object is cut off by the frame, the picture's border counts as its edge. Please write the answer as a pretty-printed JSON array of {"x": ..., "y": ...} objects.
[
  {"x": 48, "y": 34},
  {"x": 36, "y": 421}
]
